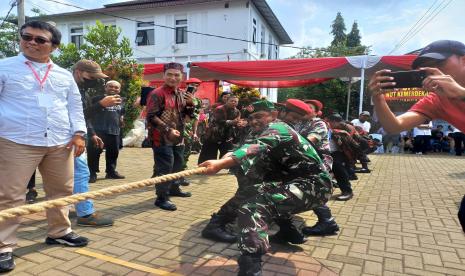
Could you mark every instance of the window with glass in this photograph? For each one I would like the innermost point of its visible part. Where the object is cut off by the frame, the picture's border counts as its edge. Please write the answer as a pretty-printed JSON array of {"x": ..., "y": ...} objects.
[
  {"x": 145, "y": 33},
  {"x": 270, "y": 46},
  {"x": 181, "y": 31},
  {"x": 77, "y": 36},
  {"x": 262, "y": 41},
  {"x": 254, "y": 34}
]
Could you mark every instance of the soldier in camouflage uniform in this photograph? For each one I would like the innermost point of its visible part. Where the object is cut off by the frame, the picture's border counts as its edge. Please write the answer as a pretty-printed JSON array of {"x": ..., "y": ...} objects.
[
  {"x": 316, "y": 131},
  {"x": 192, "y": 121},
  {"x": 288, "y": 174}
]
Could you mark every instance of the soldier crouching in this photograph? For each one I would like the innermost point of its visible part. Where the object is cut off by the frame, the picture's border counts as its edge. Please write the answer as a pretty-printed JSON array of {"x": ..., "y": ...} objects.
[{"x": 289, "y": 177}]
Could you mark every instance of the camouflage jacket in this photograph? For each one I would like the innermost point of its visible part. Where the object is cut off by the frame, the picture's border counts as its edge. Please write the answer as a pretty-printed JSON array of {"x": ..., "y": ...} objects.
[
  {"x": 278, "y": 153},
  {"x": 316, "y": 128},
  {"x": 197, "y": 105}
]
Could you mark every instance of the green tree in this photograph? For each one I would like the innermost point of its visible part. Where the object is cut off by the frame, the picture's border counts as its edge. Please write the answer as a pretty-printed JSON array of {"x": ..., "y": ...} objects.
[
  {"x": 353, "y": 38},
  {"x": 102, "y": 45},
  {"x": 338, "y": 29},
  {"x": 333, "y": 93},
  {"x": 9, "y": 37}
]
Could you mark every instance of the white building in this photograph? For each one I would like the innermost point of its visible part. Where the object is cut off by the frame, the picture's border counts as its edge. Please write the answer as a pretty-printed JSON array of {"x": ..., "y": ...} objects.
[{"x": 163, "y": 30}]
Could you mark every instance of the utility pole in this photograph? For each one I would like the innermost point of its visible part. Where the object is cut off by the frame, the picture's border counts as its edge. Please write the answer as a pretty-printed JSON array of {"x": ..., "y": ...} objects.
[{"x": 21, "y": 16}]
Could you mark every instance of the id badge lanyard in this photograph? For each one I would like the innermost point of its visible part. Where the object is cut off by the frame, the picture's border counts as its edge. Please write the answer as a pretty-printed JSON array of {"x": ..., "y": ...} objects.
[{"x": 36, "y": 75}]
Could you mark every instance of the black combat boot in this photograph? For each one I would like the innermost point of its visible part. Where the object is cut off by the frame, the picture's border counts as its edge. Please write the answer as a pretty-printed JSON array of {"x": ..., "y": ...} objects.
[
  {"x": 216, "y": 230},
  {"x": 287, "y": 232},
  {"x": 325, "y": 226},
  {"x": 250, "y": 265}
]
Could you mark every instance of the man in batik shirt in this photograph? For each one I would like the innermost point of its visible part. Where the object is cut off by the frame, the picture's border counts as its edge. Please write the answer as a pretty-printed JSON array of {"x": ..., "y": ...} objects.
[{"x": 290, "y": 178}]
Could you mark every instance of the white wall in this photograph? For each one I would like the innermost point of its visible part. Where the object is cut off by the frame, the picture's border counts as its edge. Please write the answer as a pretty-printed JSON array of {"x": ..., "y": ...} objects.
[{"x": 211, "y": 18}]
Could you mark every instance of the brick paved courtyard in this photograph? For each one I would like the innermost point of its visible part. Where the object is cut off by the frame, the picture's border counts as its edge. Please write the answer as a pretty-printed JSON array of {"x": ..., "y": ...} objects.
[{"x": 401, "y": 221}]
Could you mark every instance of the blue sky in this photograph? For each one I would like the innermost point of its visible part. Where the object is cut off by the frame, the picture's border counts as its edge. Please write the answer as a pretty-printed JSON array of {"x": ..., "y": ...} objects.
[{"x": 382, "y": 23}]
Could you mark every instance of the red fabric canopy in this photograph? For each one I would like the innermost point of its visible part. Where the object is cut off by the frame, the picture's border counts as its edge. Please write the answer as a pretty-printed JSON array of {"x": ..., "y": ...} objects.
[
  {"x": 288, "y": 72},
  {"x": 277, "y": 84},
  {"x": 273, "y": 69}
]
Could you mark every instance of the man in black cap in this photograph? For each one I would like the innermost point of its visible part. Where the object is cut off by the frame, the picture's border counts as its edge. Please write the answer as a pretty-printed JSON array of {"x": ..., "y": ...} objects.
[{"x": 444, "y": 62}]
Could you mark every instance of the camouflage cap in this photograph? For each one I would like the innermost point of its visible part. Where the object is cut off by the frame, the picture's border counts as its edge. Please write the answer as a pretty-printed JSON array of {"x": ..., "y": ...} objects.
[{"x": 263, "y": 105}]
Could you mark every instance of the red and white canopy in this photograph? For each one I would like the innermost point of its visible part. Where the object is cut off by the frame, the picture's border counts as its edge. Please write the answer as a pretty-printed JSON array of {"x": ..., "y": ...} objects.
[{"x": 289, "y": 72}]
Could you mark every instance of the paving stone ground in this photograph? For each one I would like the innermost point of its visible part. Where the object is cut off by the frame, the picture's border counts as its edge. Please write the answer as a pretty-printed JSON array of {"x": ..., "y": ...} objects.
[{"x": 402, "y": 221}]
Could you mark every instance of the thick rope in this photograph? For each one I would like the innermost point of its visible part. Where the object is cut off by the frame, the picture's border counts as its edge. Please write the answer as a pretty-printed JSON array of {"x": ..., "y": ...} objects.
[{"x": 65, "y": 201}]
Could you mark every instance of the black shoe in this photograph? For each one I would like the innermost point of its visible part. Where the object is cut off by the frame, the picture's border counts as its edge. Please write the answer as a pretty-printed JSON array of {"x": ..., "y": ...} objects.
[
  {"x": 31, "y": 196},
  {"x": 71, "y": 239},
  {"x": 345, "y": 196},
  {"x": 93, "y": 178},
  {"x": 321, "y": 228},
  {"x": 216, "y": 230},
  {"x": 363, "y": 171},
  {"x": 184, "y": 182},
  {"x": 7, "y": 262},
  {"x": 165, "y": 204},
  {"x": 180, "y": 193},
  {"x": 353, "y": 177},
  {"x": 287, "y": 233},
  {"x": 250, "y": 265},
  {"x": 114, "y": 175}
]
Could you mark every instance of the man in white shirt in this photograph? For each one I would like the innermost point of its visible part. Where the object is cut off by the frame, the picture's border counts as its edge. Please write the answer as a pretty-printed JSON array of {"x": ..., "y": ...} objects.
[
  {"x": 422, "y": 137},
  {"x": 41, "y": 125},
  {"x": 362, "y": 121}
]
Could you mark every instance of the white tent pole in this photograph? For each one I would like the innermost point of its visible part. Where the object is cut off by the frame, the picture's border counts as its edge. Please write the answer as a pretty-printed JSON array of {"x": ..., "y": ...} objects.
[
  {"x": 188, "y": 70},
  {"x": 362, "y": 86},
  {"x": 348, "y": 98}
]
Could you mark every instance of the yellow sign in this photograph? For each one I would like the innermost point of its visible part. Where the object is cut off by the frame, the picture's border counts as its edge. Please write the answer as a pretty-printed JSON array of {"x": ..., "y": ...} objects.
[{"x": 406, "y": 94}]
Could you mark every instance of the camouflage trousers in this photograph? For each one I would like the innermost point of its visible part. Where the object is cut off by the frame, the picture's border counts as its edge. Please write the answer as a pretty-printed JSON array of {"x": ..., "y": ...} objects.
[
  {"x": 245, "y": 190},
  {"x": 275, "y": 200}
]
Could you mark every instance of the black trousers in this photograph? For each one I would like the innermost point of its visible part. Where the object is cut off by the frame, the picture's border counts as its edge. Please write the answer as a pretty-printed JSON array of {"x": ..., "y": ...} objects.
[
  {"x": 340, "y": 171},
  {"x": 459, "y": 140},
  {"x": 112, "y": 144},
  {"x": 210, "y": 150},
  {"x": 168, "y": 159},
  {"x": 421, "y": 143},
  {"x": 32, "y": 182}
]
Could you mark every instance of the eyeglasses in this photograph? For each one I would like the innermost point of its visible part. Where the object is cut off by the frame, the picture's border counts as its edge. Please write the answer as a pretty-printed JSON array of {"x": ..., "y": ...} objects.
[{"x": 37, "y": 39}]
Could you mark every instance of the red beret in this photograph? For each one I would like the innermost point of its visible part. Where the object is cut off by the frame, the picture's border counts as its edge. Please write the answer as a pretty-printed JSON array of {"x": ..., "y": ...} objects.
[
  {"x": 298, "y": 106},
  {"x": 317, "y": 104},
  {"x": 193, "y": 80}
]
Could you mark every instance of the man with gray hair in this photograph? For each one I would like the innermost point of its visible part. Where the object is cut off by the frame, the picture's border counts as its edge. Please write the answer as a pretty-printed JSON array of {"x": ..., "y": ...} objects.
[{"x": 106, "y": 123}]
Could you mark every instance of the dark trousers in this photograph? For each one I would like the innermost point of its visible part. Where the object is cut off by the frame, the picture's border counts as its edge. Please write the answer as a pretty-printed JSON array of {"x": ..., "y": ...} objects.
[
  {"x": 459, "y": 140},
  {"x": 32, "y": 182},
  {"x": 210, "y": 150},
  {"x": 461, "y": 214},
  {"x": 168, "y": 159},
  {"x": 421, "y": 143},
  {"x": 340, "y": 171},
  {"x": 112, "y": 143}
]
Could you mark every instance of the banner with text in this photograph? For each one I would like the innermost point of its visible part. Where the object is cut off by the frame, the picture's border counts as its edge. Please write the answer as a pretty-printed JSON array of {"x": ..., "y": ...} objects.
[{"x": 406, "y": 94}]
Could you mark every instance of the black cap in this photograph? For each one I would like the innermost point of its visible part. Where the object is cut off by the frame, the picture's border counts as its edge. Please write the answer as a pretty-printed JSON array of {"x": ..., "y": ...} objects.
[{"x": 439, "y": 50}]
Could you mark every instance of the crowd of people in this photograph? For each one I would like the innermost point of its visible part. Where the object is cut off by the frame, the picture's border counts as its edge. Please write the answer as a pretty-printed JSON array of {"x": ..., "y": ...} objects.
[{"x": 286, "y": 157}]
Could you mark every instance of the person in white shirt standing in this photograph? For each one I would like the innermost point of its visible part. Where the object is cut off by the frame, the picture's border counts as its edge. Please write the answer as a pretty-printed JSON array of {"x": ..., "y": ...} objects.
[
  {"x": 422, "y": 138},
  {"x": 362, "y": 121},
  {"x": 41, "y": 125}
]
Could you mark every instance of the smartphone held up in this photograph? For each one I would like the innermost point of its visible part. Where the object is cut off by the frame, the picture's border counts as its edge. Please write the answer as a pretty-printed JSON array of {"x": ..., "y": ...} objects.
[{"x": 407, "y": 79}]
